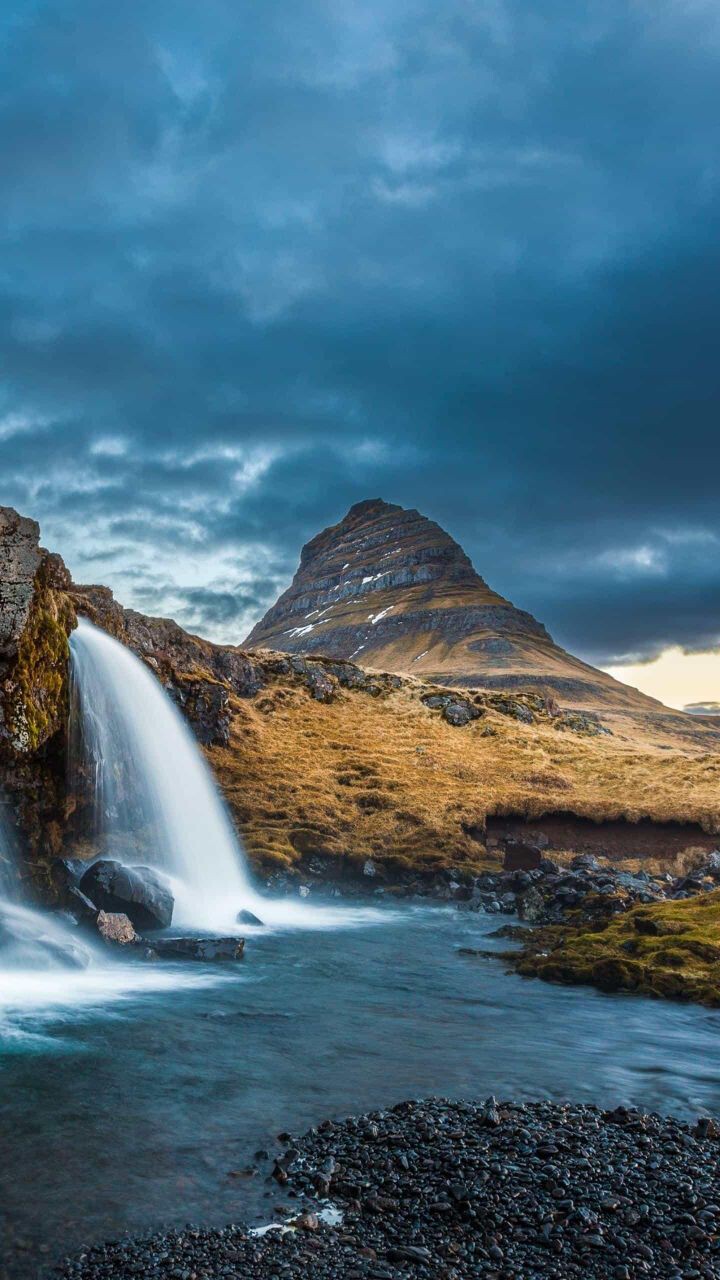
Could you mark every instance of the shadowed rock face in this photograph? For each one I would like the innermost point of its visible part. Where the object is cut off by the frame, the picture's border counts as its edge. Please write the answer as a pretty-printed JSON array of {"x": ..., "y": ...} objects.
[
  {"x": 20, "y": 558},
  {"x": 35, "y": 620},
  {"x": 393, "y": 590}
]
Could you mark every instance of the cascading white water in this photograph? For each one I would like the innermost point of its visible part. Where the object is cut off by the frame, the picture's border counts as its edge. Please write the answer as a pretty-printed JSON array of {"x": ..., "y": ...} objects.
[
  {"x": 47, "y": 965},
  {"x": 29, "y": 939},
  {"x": 152, "y": 786},
  {"x": 155, "y": 799}
]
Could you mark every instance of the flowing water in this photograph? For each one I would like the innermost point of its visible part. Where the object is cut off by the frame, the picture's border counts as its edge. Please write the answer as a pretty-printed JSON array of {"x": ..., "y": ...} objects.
[
  {"x": 155, "y": 800},
  {"x": 122, "y": 1111},
  {"x": 31, "y": 941},
  {"x": 134, "y": 1096}
]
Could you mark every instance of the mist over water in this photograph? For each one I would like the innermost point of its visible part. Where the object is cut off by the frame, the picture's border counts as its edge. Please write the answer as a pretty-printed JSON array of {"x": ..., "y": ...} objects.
[
  {"x": 155, "y": 800},
  {"x": 34, "y": 945}
]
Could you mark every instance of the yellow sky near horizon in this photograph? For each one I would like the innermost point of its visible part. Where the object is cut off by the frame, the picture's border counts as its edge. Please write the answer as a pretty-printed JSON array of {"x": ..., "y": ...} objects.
[{"x": 676, "y": 678}]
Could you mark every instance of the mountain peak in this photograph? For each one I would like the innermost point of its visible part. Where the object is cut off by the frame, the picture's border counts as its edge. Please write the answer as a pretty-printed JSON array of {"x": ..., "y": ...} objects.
[
  {"x": 385, "y": 575},
  {"x": 391, "y": 589}
]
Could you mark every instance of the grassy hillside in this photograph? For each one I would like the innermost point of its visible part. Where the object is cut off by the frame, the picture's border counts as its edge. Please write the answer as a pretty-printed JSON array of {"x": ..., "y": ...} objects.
[
  {"x": 382, "y": 774},
  {"x": 317, "y": 756}
]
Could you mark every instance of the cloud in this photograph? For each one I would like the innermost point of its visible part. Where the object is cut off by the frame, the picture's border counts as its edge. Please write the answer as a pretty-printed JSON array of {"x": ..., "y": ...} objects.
[{"x": 263, "y": 261}]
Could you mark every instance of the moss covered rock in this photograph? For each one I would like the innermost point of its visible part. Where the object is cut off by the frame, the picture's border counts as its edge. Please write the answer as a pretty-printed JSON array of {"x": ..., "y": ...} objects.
[{"x": 670, "y": 949}]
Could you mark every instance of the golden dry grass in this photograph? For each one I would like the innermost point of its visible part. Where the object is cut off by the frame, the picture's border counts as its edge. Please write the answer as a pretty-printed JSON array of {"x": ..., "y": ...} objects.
[{"x": 385, "y": 776}]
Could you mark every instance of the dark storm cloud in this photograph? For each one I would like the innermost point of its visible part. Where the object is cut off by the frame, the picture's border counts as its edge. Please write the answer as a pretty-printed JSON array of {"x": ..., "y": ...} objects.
[{"x": 260, "y": 262}]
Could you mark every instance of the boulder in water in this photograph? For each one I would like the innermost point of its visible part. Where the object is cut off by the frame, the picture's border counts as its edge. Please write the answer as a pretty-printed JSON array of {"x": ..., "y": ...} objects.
[
  {"x": 247, "y": 917},
  {"x": 116, "y": 929},
  {"x": 204, "y": 949},
  {"x": 141, "y": 893}
]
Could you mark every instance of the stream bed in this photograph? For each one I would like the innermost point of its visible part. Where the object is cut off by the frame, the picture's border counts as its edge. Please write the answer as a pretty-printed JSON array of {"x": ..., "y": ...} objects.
[{"x": 132, "y": 1098}]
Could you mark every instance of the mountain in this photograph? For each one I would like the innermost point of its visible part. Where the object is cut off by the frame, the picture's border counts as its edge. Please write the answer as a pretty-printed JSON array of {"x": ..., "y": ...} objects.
[{"x": 390, "y": 589}]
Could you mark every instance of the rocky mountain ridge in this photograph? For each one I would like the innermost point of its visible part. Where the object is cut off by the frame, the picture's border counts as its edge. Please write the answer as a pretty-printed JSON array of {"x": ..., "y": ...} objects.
[{"x": 391, "y": 589}]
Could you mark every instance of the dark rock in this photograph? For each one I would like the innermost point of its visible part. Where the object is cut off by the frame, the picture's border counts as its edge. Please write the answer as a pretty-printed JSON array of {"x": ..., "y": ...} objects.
[
  {"x": 461, "y": 713},
  {"x": 586, "y": 862},
  {"x": 549, "y": 1192},
  {"x": 652, "y": 927},
  {"x": 247, "y": 917},
  {"x": 532, "y": 906},
  {"x": 67, "y": 872},
  {"x": 523, "y": 855},
  {"x": 475, "y": 831},
  {"x": 80, "y": 907},
  {"x": 320, "y": 684},
  {"x": 206, "y": 704},
  {"x": 209, "y": 950},
  {"x": 141, "y": 893}
]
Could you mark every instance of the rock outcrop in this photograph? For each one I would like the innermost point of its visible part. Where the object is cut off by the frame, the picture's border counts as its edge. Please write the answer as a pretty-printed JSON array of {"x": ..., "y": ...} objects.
[
  {"x": 391, "y": 589},
  {"x": 36, "y": 617}
]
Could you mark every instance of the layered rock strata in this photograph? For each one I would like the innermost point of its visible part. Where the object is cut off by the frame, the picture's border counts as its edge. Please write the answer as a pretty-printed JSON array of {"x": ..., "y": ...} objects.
[{"x": 391, "y": 589}]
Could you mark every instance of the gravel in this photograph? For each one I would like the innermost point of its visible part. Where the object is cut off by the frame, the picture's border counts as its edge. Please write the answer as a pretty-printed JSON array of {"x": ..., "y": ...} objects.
[{"x": 442, "y": 1190}]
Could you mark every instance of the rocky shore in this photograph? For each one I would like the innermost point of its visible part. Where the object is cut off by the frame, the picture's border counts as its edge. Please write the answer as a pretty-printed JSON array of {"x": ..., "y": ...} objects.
[{"x": 441, "y": 1190}]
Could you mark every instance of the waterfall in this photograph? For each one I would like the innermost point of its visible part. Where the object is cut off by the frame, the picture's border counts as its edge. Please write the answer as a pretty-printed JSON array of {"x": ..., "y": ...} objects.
[
  {"x": 155, "y": 799},
  {"x": 29, "y": 939}
]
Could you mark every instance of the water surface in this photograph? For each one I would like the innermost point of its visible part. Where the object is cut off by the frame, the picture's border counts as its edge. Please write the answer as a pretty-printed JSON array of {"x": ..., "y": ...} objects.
[{"x": 142, "y": 1101}]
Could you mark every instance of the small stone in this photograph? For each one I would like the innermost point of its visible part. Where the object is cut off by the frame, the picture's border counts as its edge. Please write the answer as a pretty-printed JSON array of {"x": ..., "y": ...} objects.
[{"x": 116, "y": 929}]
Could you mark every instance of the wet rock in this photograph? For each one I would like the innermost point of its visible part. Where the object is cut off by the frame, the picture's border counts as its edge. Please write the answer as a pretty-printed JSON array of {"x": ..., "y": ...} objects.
[
  {"x": 247, "y": 917},
  {"x": 550, "y": 1192},
  {"x": 207, "y": 950},
  {"x": 141, "y": 893},
  {"x": 67, "y": 872},
  {"x": 306, "y": 1222},
  {"x": 532, "y": 906},
  {"x": 207, "y": 706},
  {"x": 116, "y": 929},
  {"x": 79, "y": 906}
]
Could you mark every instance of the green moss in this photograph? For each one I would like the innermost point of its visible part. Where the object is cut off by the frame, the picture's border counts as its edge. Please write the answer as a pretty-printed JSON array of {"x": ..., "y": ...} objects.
[
  {"x": 671, "y": 949},
  {"x": 35, "y": 698}
]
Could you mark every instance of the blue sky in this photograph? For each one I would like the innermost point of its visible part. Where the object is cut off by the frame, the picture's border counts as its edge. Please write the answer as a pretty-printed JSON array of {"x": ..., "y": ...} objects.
[{"x": 263, "y": 261}]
